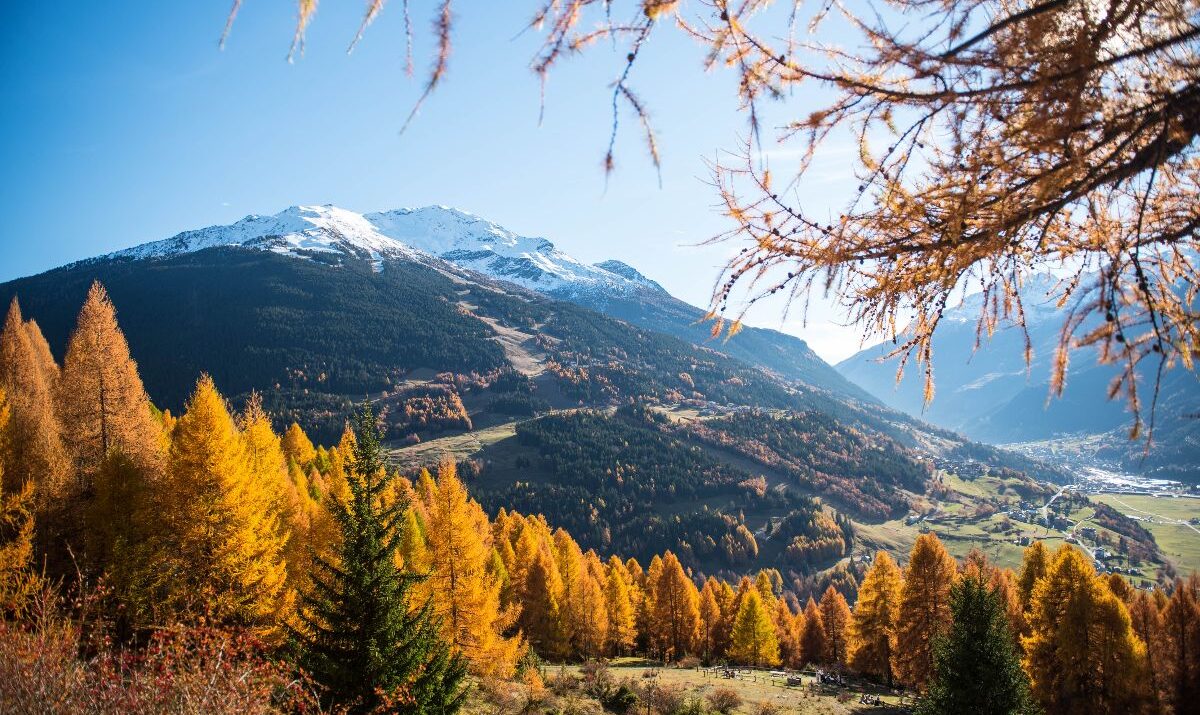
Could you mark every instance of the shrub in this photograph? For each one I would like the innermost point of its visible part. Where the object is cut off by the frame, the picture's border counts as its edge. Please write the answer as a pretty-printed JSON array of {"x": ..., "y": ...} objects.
[
  {"x": 724, "y": 700},
  {"x": 666, "y": 699},
  {"x": 188, "y": 670},
  {"x": 621, "y": 699}
]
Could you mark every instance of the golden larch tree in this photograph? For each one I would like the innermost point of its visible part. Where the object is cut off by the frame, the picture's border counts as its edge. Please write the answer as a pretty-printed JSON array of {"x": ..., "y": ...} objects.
[
  {"x": 1033, "y": 567},
  {"x": 754, "y": 642},
  {"x": 788, "y": 627},
  {"x": 43, "y": 356},
  {"x": 675, "y": 610},
  {"x": 297, "y": 447},
  {"x": 1147, "y": 621},
  {"x": 35, "y": 451},
  {"x": 413, "y": 551},
  {"x": 622, "y": 615},
  {"x": 591, "y": 633},
  {"x": 812, "y": 641},
  {"x": 835, "y": 623},
  {"x": 876, "y": 617},
  {"x": 102, "y": 402},
  {"x": 1181, "y": 628},
  {"x": 924, "y": 609},
  {"x": 464, "y": 595},
  {"x": 1082, "y": 655},
  {"x": 541, "y": 610},
  {"x": 17, "y": 580},
  {"x": 569, "y": 558},
  {"x": 224, "y": 538},
  {"x": 710, "y": 619},
  {"x": 268, "y": 470},
  {"x": 726, "y": 598}
]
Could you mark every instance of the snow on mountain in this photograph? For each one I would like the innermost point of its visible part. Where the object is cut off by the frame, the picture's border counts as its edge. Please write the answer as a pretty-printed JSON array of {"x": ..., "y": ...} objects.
[
  {"x": 627, "y": 271},
  {"x": 480, "y": 245},
  {"x": 454, "y": 242},
  {"x": 294, "y": 231},
  {"x": 465, "y": 240}
]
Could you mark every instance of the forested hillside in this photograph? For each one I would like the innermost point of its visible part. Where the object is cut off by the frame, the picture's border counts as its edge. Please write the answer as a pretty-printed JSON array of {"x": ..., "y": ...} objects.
[
  {"x": 277, "y": 561},
  {"x": 257, "y": 320}
]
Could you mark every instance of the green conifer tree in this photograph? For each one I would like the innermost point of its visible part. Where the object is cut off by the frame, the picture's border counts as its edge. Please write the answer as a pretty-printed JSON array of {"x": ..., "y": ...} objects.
[
  {"x": 976, "y": 668},
  {"x": 359, "y": 637}
]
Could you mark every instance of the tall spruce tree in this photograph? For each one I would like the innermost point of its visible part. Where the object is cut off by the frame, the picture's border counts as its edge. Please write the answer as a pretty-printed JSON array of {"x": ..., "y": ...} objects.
[
  {"x": 360, "y": 637},
  {"x": 976, "y": 667}
]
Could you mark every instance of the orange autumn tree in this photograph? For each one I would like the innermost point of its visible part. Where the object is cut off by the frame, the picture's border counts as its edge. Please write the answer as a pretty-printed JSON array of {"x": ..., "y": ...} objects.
[
  {"x": 116, "y": 443},
  {"x": 835, "y": 626},
  {"x": 34, "y": 452},
  {"x": 1082, "y": 655},
  {"x": 812, "y": 640},
  {"x": 102, "y": 402},
  {"x": 463, "y": 591},
  {"x": 590, "y": 609},
  {"x": 1181, "y": 644},
  {"x": 17, "y": 580},
  {"x": 675, "y": 609},
  {"x": 710, "y": 619},
  {"x": 753, "y": 640},
  {"x": 876, "y": 617},
  {"x": 223, "y": 545},
  {"x": 924, "y": 609},
  {"x": 622, "y": 613}
]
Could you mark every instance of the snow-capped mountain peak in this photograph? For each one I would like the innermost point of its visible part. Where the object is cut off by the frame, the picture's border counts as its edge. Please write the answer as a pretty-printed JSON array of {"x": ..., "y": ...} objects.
[
  {"x": 480, "y": 245},
  {"x": 296, "y": 230},
  {"x": 452, "y": 235}
]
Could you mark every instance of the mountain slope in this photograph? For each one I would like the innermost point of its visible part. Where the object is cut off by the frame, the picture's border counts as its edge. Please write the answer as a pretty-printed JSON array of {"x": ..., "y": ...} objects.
[
  {"x": 991, "y": 395},
  {"x": 639, "y": 438},
  {"x": 468, "y": 242},
  {"x": 611, "y": 287}
]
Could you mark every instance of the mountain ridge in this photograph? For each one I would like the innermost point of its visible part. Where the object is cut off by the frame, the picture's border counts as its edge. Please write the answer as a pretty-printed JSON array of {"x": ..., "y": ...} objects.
[{"x": 438, "y": 236}]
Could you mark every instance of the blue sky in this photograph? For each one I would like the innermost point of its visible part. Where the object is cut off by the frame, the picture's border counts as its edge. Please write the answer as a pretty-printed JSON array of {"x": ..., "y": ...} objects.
[{"x": 122, "y": 123}]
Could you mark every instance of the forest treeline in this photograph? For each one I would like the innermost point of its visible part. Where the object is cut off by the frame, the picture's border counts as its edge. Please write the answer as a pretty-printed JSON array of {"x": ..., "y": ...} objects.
[{"x": 147, "y": 557}]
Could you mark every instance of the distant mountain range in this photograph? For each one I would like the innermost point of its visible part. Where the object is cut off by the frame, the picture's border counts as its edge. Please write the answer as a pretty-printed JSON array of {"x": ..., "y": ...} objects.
[{"x": 991, "y": 395}]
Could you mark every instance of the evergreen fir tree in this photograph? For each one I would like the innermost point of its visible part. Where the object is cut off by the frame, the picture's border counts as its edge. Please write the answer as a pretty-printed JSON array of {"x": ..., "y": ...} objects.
[
  {"x": 360, "y": 636},
  {"x": 976, "y": 667}
]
